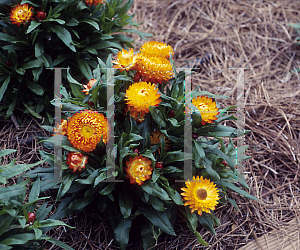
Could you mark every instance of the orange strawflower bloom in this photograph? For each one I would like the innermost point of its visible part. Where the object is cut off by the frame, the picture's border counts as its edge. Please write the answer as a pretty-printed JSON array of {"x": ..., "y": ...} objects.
[
  {"x": 95, "y": 2},
  {"x": 153, "y": 68},
  {"x": 153, "y": 48},
  {"x": 126, "y": 60},
  {"x": 76, "y": 161},
  {"x": 138, "y": 169},
  {"x": 85, "y": 130},
  {"x": 138, "y": 116},
  {"x": 141, "y": 95},
  {"x": 21, "y": 14},
  {"x": 156, "y": 137},
  {"x": 88, "y": 86},
  {"x": 207, "y": 107},
  {"x": 201, "y": 195},
  {"x": 62, "y": 128}
]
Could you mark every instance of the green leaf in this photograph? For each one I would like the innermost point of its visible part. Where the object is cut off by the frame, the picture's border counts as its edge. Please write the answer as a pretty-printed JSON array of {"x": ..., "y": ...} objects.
[
  {"x": 35, "y": 88},
  {"x": 147, "y": 234},
  {"x": 18, "y": 239},
  {"x": 81, "y": 203},
  {"x": 5, "y": 221},
  {"x": 43, "y": 211},
  {"x": 159, "y": 219},
  {"x": 92, "y": 23},
  {"x": 7, "y": 152},
  {"x": 155, "y": 190},
  {"x": 175, "y": 196},
  {"x": 32, "y": 26},
  {"x": 238, "y": 190},
  {"x": 65, "y": 185},
  {"x": 156, "y": 203},
  {"x": 85, "y": 68},
  {"x": 175, "y": 156},
  {"x": 4, "y": 87},
  {"x": 11, "y": 191},
  {"x": 34, "y": 193},
  {"x": 32, "y": 112},
  {"x": 5, "y": 247},
  {"x": 125, "y": 202},
  {"x": 157, "y": 116},
  {"x": 64, "y": 35},
  {"x": 60, "y": 244},
  {"x": 108, "y": 189},
  {"x": 76, "y": 90},
  {"x": 200, "y": 239},
  {"x": 53, "y": 223},
  {"x": 122, "y": 232},
  {"x": 208, "y": 167},
  {"x": 126, "y": 6},
  {"x": 206, "y": 221},
  {"x": 38, "y": 233}
]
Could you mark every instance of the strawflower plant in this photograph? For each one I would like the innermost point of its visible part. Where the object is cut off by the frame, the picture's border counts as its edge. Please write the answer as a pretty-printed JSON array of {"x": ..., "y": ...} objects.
[{"x": 146, "y": 176}]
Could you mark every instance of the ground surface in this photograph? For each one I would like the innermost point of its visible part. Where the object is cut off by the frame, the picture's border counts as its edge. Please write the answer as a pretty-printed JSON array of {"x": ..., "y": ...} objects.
[{"x": 253, "y": 35}]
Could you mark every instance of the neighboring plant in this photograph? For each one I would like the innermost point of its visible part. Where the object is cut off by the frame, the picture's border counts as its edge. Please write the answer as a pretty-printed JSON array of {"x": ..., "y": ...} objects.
[
  {"x": 38, "y": 35},
  {"x": 22, "y": 224},
  {"x": 149, "y": 126}
]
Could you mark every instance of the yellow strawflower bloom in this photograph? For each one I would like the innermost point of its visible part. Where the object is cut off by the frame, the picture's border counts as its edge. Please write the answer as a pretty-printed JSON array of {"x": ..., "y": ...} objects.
[
  {"x": 126, "y": 60},
  {"x": 153, "y": 48},
  {"x": 95, "y": 2},
  {"x": 201, "y": 195},
  {"x": 141, "y": 95},
  {"x": 207, "y": 107}
]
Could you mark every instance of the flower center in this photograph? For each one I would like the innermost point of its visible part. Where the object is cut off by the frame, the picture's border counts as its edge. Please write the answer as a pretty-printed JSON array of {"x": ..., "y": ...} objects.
[
  {"x": 140, "y": 168},
  {"x": 201, "y": 193},
  {"x": 202, "y": 106},
  {"x": 87, "y": 131},
  {"x": 143, "y": 92}
]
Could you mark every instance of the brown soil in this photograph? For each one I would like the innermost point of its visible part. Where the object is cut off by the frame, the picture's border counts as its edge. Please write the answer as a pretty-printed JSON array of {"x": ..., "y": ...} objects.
[{"x": 253, "y": 35}]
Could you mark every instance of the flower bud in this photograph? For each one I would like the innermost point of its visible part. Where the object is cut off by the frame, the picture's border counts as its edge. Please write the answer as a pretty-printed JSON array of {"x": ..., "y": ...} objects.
[
  {"x": 195, "y": 136},
  {"x": 136, "y": 151},
  {"x": 159, "y": 166},
  {"x": 171, "y": 114},
  {"x": 40, "y": 15},
  {"x": 31, "y": 217}
]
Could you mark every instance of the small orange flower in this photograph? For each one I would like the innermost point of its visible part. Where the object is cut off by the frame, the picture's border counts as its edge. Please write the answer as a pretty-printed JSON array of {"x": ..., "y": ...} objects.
[
  {"x": 153, "y": 48},
  {"x": 76, "y": 161},
  {"x": 88, "y": 86},
  {"x": 85, "y": 130},
  {"x": 126, "y": 60},
  {"x": 156, "y": 137},
  {"x": 138, "y": 169},
  {"x": 62, "y": 128},
  {"x": 153, "y": 68},
  {"x": 207, "y": 107},
  {"x": 95, "y": 2},
  {"x": 138, "y": 116},
  {"x": 141, "y": 95},
  {"x": 21, "y": 14}
]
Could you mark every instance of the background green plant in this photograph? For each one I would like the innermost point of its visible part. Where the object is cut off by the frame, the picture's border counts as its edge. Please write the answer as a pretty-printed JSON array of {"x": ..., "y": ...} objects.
[
  {"x": 71, "y": 36},
  {"x": 15, "y": 231}
]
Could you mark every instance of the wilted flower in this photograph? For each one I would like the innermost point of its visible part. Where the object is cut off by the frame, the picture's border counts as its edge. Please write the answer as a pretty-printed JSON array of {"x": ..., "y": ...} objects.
[{"x": 76, "y": 161}]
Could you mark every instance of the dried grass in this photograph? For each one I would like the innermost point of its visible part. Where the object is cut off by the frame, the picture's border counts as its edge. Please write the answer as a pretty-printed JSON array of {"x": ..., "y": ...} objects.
[{"x": 253, "y": 35}]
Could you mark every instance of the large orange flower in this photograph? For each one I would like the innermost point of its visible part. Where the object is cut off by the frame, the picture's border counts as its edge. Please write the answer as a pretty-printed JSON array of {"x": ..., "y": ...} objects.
[
  {"x": 153, "y": 68},
  {"x": 138, "y": 169},
  {"x": 126, "y": 60},
  {"x": 200, "y": 194},
  {"x": 95, "y": 2},
  {"x": 76, "y": 161},
  {"x": 141, "y": 95},
  {"x": 207, "y": 107},
  {"x": 86, "y": 129},
  {"x": 21, "y": 14},
  {"x": 153, "y": 48}
]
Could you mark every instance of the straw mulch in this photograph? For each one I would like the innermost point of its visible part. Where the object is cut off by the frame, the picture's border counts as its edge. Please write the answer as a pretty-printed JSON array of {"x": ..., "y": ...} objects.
[{"x": 253, "y": 35}]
